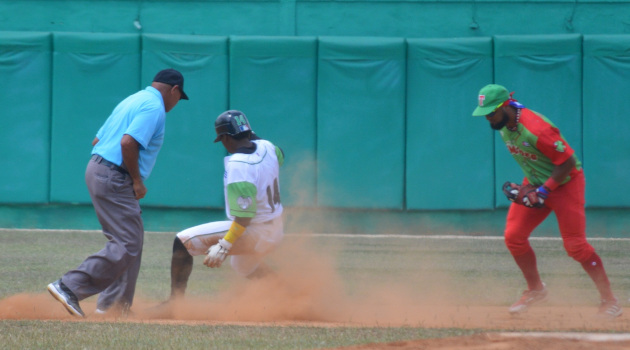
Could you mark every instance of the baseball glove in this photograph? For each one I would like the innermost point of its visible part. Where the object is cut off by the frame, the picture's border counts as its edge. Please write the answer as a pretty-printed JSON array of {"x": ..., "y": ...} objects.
[
  {"x": 510, "y": 190},
  {"x": 526, "y": 195}
]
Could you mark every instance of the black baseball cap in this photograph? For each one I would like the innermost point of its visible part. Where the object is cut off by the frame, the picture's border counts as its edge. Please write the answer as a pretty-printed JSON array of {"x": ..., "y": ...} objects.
[{"x": 171, "y": 77}]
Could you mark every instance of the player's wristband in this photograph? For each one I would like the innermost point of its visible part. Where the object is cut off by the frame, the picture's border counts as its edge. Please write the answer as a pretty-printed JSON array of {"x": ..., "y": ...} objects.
[
  {"x": 235, "y": 232},
  {"x": 543, "y": 192},
  {"x": 551, "y": 184}
]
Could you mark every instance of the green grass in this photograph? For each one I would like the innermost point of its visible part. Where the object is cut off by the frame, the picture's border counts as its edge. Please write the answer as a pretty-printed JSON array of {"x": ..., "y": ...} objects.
[
  {"x": 29, "y": 260},
  {"x": 118, "y": 335}
]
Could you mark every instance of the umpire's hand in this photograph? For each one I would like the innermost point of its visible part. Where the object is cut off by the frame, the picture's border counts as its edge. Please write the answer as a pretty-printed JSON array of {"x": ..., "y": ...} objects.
[{"x": 139, "y": 189}]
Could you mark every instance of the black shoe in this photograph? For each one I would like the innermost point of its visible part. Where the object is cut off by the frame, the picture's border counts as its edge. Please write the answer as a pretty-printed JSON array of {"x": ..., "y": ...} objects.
[{"x": 65, "y": 296}]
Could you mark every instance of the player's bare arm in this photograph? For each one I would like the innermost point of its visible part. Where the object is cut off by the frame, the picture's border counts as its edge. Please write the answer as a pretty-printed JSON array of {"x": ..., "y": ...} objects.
[
  {"x": 243, "y": 221},
  {"x": 560, "y": 172},
  {"x": 130, "y": 153},
  {"x": 95, "y": 141},
  {"x": 558, "y": 176},
  {"x": 535, "y": 196}
]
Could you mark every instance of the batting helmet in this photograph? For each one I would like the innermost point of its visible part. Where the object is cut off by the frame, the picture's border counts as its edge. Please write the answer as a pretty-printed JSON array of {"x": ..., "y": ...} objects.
[{"x": 231, "y": 123}]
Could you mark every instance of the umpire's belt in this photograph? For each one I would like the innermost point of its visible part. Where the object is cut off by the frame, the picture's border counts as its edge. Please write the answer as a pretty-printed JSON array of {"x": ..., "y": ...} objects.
[{"x": 100, "y": 160}]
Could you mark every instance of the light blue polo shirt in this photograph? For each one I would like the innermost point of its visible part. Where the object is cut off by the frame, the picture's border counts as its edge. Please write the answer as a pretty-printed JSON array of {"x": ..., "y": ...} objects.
[{"x": 141, "y": 116}]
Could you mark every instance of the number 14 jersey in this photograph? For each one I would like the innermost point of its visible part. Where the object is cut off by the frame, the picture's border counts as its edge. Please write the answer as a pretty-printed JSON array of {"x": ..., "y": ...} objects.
[{"x": 251, "y": 182}]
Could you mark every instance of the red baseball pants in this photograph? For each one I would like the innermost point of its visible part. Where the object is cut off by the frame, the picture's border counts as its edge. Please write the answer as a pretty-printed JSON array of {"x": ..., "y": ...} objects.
[{"x": 567, "y": 202}]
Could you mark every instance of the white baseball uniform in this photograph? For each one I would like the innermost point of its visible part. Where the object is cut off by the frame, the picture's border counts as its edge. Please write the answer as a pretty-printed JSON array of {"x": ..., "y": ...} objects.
[{"x": 252, "y": 190}]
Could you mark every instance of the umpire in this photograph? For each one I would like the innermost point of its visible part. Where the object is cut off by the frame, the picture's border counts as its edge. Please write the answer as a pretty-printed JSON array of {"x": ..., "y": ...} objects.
[{"x": 124, "y": 153}]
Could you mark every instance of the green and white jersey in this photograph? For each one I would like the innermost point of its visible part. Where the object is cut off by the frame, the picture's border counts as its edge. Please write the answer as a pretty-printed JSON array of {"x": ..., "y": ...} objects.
[{"x": 251, "y": 182}]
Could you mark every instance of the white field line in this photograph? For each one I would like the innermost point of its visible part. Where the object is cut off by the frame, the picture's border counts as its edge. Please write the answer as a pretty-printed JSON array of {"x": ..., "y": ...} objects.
[
  {"x": 594, "y": 337},
  {"x": 344, "y": 235}
]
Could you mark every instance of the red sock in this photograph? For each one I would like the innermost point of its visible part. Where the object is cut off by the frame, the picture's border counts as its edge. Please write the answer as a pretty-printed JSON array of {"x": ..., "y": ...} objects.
[
  {"x": 595, "y": 269},
  {"x": 527, "y": 264}
]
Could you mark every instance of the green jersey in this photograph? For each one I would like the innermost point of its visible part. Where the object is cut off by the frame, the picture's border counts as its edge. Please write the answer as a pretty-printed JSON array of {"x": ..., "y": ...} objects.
[{"x": 537, "y": 146}]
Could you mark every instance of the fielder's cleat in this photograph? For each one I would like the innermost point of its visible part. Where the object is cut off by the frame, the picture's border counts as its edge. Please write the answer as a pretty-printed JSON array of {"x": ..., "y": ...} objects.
[
  {"x": 65, "y": 296},
  {"x": 610, "y": 309},
  {"x": 528, "y": 298}
]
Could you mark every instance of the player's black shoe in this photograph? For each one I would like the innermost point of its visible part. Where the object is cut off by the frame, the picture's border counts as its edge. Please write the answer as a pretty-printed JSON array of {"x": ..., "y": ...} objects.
[{"x": 65, "y": 296}]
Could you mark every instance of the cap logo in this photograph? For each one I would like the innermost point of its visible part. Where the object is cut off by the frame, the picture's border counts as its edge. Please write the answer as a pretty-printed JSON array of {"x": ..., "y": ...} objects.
[{"x": 481, "y": 99}]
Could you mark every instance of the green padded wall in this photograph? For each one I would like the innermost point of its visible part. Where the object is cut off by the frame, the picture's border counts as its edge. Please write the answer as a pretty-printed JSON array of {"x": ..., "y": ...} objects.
[
  {"x": 545, "y": 74},
  {"x": 92, "y": 73},
  {"x": 606, "y": 125},
  {"x": 25, "y": 68},
  {"x": 273, "y": 80},
  {"x": 384, "y": 18},
  {"x": 371, "y": 123},
  {"x": 189, "y": 162},
  {"x": 448, "y": 149},
  {"x": 361, "y": 122}
]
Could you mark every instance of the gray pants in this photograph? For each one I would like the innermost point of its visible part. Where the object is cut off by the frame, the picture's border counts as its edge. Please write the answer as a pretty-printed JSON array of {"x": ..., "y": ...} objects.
[{"x": 113, "y": 271}]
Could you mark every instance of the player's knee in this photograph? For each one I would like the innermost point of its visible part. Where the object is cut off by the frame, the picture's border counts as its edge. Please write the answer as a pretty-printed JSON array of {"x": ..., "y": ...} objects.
[
  {"x": 177, "y": 244},
  {"x": 516, "y": 246},
  {"x": 179, "y": 250},
  {"x": 125, "y": 252},
  {"x": 579, "y": 250}
]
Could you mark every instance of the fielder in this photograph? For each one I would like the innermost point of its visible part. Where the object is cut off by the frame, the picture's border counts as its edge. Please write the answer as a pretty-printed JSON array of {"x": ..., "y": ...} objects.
[
  {"x": 554, "y": 181},
  {"x": 252, "y": 203}
]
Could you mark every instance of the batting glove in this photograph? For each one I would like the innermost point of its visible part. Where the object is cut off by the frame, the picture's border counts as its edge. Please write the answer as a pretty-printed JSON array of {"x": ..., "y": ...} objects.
[{"x": 217, "y": 253}]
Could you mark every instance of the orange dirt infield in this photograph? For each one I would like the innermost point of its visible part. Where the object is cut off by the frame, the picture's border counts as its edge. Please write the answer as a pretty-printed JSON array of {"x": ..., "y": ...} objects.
[
  {"x": 308, "y": 290},
  {"x": 549, "y": 327}
]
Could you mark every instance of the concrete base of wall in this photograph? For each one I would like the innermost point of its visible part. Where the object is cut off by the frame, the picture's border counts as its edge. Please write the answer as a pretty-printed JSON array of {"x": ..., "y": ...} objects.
[{"x": 613, "y": 223}]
